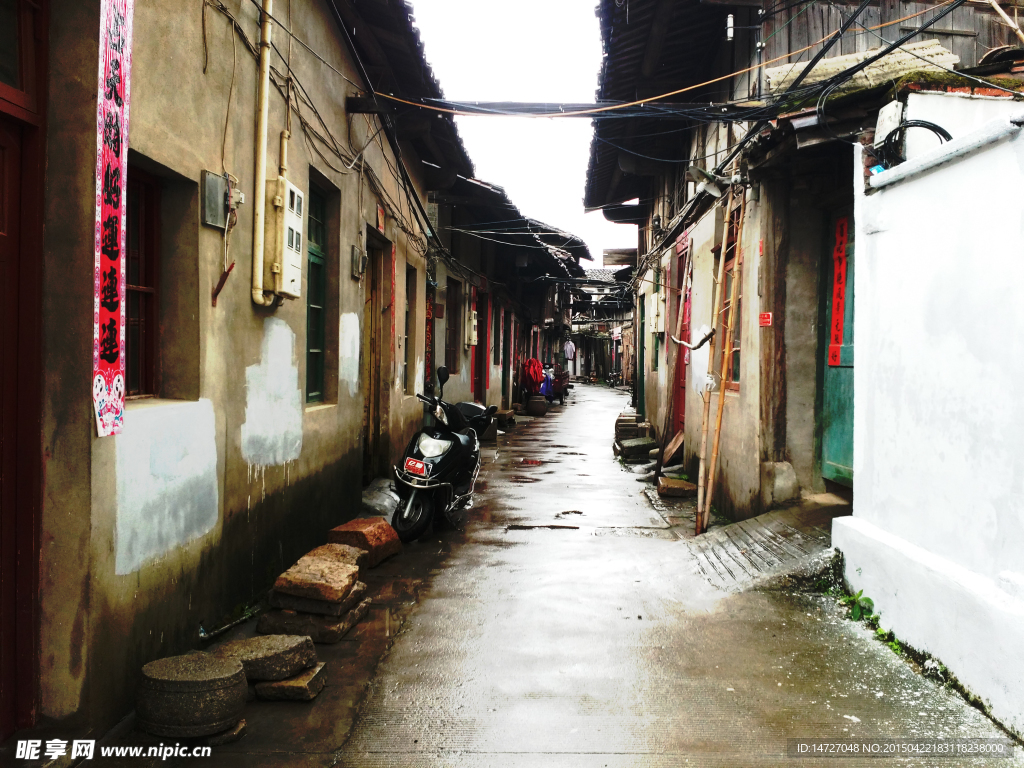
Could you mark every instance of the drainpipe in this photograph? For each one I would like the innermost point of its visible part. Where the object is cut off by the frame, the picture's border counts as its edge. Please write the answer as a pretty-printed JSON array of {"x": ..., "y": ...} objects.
[{"x": 260, "y": 182}]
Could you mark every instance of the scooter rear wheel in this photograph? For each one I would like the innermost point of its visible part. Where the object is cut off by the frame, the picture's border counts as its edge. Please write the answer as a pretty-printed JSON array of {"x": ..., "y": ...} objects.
[{"x": 410, "y": 526}]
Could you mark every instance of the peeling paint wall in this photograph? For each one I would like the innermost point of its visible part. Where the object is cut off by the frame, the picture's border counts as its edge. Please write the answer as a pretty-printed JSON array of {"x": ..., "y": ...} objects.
[
  {"x": 348, "y": 352},
  {"x": 272, "y": 432},
  {"x": 167, "y": 490}
]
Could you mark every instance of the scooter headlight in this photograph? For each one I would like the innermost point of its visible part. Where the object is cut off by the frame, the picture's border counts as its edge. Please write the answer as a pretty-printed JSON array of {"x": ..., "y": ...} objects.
[
  {"x": 430, "y": 447},
  {"x": 439, "y": 413}
]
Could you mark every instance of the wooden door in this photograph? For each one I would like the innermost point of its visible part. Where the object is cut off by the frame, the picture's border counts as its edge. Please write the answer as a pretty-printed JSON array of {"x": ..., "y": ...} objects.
[
  {"x": 837, "y": 385},
  {"x": 506, "y": 361},
  {"x": 372, "y": 359},
  {"x": 12, "y": 592}
]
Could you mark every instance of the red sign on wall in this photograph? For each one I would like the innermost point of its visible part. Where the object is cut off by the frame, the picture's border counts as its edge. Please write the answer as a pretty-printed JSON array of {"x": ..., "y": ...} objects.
[
  {"x": 764, "y": 319},
  {"x": 835, "y": 342},
  {"x": 113, "y": 98}
]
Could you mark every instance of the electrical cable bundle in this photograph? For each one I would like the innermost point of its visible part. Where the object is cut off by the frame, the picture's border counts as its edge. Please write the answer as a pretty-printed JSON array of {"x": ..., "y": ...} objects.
[{"x": 891, "y": 152}]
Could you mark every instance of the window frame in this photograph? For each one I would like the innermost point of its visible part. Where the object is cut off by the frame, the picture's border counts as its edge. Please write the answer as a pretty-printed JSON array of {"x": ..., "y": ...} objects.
[
  {"x": 731, "y": 256},
  {"x": 316, "y": 262},
  {"x": 21, "y": 100},
  {"x": 148, "y": 187}
]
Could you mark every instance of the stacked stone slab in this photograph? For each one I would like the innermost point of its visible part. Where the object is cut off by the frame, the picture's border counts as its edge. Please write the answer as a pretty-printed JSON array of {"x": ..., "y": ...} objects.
[
  {"x": 372, "y": 534},
  {"x": 320, "y": 596},
  {"x": 279, "y": 666}
]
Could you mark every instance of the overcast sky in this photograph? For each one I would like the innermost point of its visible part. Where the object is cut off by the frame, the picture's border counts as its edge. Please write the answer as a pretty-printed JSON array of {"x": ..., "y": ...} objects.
[{"x": 529, "y": 50}]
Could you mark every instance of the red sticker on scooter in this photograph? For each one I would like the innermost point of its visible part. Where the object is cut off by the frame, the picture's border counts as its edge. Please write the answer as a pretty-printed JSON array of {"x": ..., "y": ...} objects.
[{"x": 416, "y": 467}]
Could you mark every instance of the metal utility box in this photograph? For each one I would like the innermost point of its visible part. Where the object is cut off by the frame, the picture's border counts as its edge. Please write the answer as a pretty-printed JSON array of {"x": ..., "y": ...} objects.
[{"x": 293, "y": 243}]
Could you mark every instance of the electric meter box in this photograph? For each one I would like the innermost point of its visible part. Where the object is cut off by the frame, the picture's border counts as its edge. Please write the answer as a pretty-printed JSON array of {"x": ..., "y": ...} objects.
[
  {"x": 471, "y": 329},
  {"x": 293, "y": 243}
]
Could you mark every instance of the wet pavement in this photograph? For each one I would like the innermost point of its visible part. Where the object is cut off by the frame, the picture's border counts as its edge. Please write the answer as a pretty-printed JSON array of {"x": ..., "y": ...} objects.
[{"x": 571, "y": 624}]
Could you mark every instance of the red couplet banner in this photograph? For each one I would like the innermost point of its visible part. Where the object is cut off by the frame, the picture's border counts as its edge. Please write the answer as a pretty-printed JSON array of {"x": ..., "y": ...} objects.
[
  {"x": 108, "y": 344},
  {"x": 835, "y": 342}
]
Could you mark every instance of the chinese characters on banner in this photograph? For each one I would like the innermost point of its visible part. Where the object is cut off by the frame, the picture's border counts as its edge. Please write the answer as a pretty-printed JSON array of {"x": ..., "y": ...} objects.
[
  {"x": 835, "y": 341},
  {"x": 113, "y": 97},
  {"x": 428, "y": 345}
]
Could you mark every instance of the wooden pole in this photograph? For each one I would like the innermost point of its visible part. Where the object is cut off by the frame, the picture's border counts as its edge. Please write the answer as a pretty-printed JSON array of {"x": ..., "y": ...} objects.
[
  {"x": 737, "y": 275},
  {"x": 716, "y": 311},
  {"x": 666, "y": 432}
]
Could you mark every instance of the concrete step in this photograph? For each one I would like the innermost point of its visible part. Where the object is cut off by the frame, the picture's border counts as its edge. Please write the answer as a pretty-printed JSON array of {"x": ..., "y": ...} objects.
[{"x": 738, "y": 555}]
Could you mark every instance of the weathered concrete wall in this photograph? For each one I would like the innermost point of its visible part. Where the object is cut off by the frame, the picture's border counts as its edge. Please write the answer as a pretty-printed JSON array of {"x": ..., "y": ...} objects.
[
  {"x": 805, "y": 258},
  {"x": 205, "y": 498},
  {"x": 938, "y": 471}
]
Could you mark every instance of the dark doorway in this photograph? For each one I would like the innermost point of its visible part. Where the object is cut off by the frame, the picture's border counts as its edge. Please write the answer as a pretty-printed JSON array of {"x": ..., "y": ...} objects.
[{"x": 375, "y": 334}]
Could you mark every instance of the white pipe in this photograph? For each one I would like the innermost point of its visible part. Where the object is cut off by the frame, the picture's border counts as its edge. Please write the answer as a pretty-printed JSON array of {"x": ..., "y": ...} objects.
[
  {"x": 951, "y": 150},
  {"x": 260, "y": 181}
]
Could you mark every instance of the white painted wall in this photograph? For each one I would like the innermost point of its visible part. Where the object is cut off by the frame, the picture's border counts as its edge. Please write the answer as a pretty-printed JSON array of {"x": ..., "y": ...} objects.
[
  {"x": 938, "y": 530},
  {"x": 272, "y": 432},
  {"x": 349, "y": 337},
  {"x": 166, "y": 480}
]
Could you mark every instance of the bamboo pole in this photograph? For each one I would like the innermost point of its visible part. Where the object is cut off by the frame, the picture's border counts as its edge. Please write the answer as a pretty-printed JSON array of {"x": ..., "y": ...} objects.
[
  {"x": 716, "y": 310},
  {"x": 1009, "y": 22},
  {"x": 666, "y": 433},
  {"x": 737, "y": 275}
]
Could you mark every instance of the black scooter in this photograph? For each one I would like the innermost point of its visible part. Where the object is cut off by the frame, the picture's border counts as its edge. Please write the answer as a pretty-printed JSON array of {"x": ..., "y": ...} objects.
[{"x": 440, "y": 465}]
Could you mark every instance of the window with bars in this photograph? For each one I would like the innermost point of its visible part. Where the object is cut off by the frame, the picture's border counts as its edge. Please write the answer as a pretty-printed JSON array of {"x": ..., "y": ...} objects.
[
  {"x": 142, "y": 238},
  {"x": 733, "y": 378},
  {"x": 316, "y": 294}
]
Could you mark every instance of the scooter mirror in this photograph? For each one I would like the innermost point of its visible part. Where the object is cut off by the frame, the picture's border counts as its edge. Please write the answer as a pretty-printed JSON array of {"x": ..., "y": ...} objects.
[{"x": 442, "y": 375}]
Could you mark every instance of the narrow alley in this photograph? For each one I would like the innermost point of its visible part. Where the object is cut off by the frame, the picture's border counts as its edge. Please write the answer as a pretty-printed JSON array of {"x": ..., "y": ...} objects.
[{"x": 571, "y": 624}]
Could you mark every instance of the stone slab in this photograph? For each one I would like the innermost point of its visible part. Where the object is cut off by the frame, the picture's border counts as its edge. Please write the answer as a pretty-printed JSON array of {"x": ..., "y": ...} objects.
[
  {"x": 341, "y": 553},
  {"x": 370, "y": 533},
  {"x": 319, "y": 578},
  {"x": 228, "y": 736},
  {"x": 639, "y": 446},
  {"x": 379, "y": 498},
  {"x": 321, "y": 629},
  {"x": 302, "y": 687},
  {"x": 319, "y": 607},
  {"x": 273, "y": 657},
  {"x": 668, "y": 486},
  {"x": 506, "y": 419}
]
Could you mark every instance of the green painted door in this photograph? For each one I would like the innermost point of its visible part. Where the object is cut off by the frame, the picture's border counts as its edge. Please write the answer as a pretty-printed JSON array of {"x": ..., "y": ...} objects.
[{"x": 837, "y": 400}]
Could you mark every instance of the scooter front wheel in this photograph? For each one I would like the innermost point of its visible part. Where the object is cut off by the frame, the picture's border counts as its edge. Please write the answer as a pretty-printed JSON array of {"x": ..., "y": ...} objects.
[{"x": 412, "y": 517}]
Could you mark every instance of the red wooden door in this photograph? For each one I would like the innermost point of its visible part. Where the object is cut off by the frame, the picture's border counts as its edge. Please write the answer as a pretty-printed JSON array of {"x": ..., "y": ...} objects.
[{"x": 10, "y": 250}]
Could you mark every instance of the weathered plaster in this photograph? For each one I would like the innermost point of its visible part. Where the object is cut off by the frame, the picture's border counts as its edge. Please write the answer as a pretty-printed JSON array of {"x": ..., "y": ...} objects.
[
  {"x": 272, "y": 432},
  {"x": 348, "y": 352},
  {"x": 167, "y": 492}
]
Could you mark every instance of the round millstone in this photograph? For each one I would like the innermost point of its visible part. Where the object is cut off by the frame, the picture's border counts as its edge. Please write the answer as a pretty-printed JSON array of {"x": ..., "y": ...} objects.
[
  {"x": 193, "y": 695},
  {"x": 270, "y": 657}
]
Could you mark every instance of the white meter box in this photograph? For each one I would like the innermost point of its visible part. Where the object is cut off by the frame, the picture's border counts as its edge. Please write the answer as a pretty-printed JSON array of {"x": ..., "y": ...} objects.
[{"x": 293, "y": 243}]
